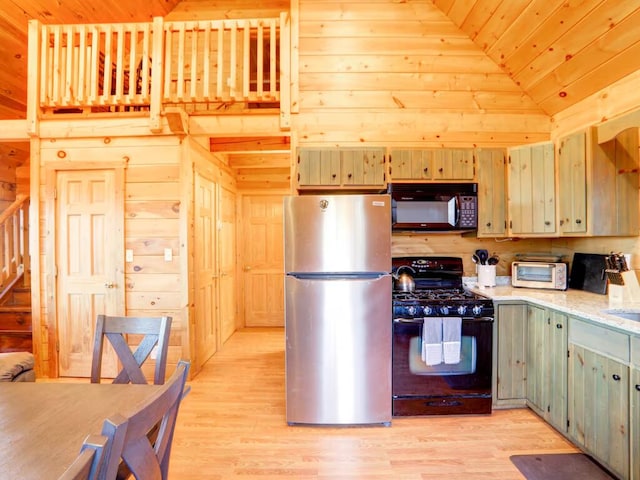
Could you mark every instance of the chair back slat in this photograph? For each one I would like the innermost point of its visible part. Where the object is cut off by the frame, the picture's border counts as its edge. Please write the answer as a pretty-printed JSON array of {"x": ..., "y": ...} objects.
[
  {"x": 155, "y": 331},
  {"x": 147, "y": 456},
  {"x": 89, "y": 461}
]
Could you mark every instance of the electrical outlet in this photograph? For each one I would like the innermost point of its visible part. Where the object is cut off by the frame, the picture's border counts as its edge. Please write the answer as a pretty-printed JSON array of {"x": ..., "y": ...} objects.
[
  {"x": 128, "y": 255},
  {"x": 168, "y": 255}
]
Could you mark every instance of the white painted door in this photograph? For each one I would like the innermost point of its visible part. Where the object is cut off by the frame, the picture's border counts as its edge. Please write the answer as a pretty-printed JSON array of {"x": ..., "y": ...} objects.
[
  {"x": 263, "y": 260},
  {"x": 206, "y": 309},
  {"x": 89, "y": 280}
]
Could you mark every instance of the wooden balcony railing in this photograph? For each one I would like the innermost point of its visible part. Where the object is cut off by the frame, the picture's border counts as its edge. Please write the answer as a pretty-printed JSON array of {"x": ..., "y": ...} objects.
[
  {"x": 147, "y": 66},
  {"x": 14, "y": 245}
]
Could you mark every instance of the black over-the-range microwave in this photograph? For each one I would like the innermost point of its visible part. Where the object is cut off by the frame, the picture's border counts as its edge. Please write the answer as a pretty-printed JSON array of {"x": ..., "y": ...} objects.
[{"x": 434, "y": 206}]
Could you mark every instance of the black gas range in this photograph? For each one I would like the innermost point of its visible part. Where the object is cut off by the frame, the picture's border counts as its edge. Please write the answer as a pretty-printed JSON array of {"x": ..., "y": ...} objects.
[
  {"x": 420, "y": 385},
  {"x": 439, "y": 290}
]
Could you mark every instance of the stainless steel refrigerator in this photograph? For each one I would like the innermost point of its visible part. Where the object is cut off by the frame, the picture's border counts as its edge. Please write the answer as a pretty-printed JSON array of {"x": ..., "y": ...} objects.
[{"x": 338, "y": 309}]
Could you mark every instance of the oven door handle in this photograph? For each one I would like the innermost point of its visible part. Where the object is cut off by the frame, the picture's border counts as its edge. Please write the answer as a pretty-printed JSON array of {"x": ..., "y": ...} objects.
[{"x": 413, "y": 321}]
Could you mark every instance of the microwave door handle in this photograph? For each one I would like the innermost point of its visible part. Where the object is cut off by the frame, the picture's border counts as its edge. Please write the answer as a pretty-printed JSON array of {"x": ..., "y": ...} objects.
[{"x": 453, "y": 211}]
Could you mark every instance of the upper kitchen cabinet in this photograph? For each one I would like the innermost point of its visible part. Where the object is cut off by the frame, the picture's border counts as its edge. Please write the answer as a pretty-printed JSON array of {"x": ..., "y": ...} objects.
[
  {"x": 532, "y": 200},
  {"x": 598, "y": 184},
  {"x": 432, "y": 164},
  {"x": 492, "y": 200},
  {"x": 572, "y": 182},
  {"x": 357, "y": 168},
  {"x": 614, "y": 185}
]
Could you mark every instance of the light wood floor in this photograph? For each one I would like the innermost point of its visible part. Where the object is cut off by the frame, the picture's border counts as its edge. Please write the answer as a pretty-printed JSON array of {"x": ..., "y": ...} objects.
[{"x": 232, "y": 425}]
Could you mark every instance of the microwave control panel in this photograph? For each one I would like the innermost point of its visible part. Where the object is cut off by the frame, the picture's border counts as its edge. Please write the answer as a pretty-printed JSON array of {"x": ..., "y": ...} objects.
[{"x": 468, "y": 211}]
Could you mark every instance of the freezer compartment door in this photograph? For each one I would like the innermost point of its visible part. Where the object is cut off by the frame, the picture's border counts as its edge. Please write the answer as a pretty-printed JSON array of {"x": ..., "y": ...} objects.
[
  {"x": 338, "y": 351},
  {"x": 337, "y": 233}
]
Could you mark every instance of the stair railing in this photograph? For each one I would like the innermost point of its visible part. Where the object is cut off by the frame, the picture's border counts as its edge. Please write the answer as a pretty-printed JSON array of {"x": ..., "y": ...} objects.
[{"x": 14, "y": 244}]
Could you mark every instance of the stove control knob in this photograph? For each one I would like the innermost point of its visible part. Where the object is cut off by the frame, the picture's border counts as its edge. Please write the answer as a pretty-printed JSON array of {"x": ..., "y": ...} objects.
[
  {"x": 477, "y": 309},
  {"x": 427, "y": 310},
  {"x": 444, "y": 310},
  {"x": 411, "y": 310},
  {"x": 462, "y": 310}
]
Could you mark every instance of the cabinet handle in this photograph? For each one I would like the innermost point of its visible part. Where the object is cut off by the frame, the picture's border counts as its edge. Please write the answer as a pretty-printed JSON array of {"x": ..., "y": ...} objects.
[
  {"x": 638, "y": 387},
  {"x": 547, "y": 223},
  {"x": 561, "y": 222},
  {"x": 441, "y": 170},
  {"x": 616, "y": 377},
  {"x": 425, "y": 169},
  {"x": 558, "y": 325},
  {"x": 488, "y": 224},
  {"x": 333, "y": 176},
  {"x": 578, "y": 221}
]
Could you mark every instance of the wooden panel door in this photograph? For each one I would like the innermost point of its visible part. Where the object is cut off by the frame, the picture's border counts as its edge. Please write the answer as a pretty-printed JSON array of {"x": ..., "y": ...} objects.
[
  {"x": 572, "y": 175},
  {"x": 205, "y": 270},
  {"x": 318, "y": 167},
  {"x": 492, "y": 200},
  {"x": 599, "y": 407},
  {"x": 228, "y": 262},
  {"x": 263, "y": 260},
  {"x": 536, "y": 357},
  {"x": 635, "y": 423},
  {"x": 90, "y": 280},
  {"x": 453, "y": 164},
  {"x": 510, "y": 352},
  {"x": 556, "y": 385},
  {"x": 411, "y": 164}
]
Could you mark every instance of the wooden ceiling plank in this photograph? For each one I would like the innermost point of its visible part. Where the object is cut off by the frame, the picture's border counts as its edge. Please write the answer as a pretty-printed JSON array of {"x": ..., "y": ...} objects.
[
  {"x": 245, "y": 144},
  {"x": 479, "y": 15},
  {"x": 460, "y": 10},
  {"x": 623, "y": 64},
  {"x": 587, "y": 30},
  {"x": 521, "y": 28},
  {"x": 506, "y": 13},
  {"x": 444, "y": 5},
  {"x": 382, "y": 46},
  {"x": 619, "y": 38},
  {"x": 259, "y": 161},
  {"x": 365, "y": 12},
  {"x": 550, "y": 32}
]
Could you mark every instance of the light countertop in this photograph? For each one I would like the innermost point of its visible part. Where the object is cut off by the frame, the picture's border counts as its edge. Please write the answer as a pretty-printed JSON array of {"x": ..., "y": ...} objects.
[{"x": 587, "y": 305}]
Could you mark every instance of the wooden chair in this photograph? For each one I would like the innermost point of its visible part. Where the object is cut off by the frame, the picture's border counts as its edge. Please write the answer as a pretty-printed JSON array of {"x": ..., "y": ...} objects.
[
  {"x": 156, "y": 331},
  {"x": 87, "y": 464},
  {"x": 144, "y": 458}
]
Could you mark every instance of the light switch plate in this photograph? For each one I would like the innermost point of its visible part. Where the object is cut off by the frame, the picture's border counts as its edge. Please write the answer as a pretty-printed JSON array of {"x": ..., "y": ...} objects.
[
  {"x": 168, "y": 254},
  {"x": 128, "y": 255}
]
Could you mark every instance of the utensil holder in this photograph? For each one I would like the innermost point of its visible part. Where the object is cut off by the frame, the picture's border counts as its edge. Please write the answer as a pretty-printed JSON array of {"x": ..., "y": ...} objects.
[
  {"x": 629, "y": 291},
  {"x": 486, "y": 275}
]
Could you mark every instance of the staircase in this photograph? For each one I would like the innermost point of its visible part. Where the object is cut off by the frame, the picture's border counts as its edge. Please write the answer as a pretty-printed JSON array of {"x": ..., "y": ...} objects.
[
  {"x": 15, "y": 320},
  {"x": 15, "y": 294}
]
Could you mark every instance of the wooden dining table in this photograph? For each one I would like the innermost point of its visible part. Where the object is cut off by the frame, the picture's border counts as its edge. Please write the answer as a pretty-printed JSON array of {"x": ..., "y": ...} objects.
[{"x": 43, "y": 424}]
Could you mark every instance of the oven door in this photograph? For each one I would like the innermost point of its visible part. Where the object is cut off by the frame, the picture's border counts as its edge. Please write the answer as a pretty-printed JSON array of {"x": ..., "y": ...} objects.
[{"x": 465, "y": 387}]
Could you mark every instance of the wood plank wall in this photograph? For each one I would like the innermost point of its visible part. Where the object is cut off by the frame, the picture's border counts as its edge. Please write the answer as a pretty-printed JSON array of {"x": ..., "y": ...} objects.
[
  {"x": 615, "y": 100},
  {"x": 152, "y": 219},
  {"x": 401, "y": 73}
]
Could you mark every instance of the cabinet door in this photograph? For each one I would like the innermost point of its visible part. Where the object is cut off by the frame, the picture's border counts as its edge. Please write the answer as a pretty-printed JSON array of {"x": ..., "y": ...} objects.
[
  {"x": 537, "y": 345},
  {"x": 556, "y": 384},
  {"x": 599, "y": 407},
  {"x": 635, "y": 423},
  {"x": 453, "y": 164},
  {"x": 362, "y": 167},
  {"x": 411, "y": 164},
  {"x": 510, "y": 352},
  {"x": 492, "y": 212},
  {"x": 532, "y": 190},
  {"x": 319, "y": 167},
  {"x": 572, "y": 176}
]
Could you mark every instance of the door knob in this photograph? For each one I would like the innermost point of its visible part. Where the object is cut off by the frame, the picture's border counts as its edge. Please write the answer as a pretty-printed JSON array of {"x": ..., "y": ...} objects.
[
  {"x": 247, "y": 268},
  {"x": 110, "y": 285}
]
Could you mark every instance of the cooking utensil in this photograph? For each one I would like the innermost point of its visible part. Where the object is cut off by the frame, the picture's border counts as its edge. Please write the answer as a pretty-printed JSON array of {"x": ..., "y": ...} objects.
[
  {"x": 475, "y": 259},
  {"x": 483, "y": 255},
  {"x": 493, "y": 260}
]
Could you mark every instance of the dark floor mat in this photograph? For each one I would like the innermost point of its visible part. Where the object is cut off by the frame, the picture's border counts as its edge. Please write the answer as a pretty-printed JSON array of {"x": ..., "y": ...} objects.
[{"x": 566, "y": 466}]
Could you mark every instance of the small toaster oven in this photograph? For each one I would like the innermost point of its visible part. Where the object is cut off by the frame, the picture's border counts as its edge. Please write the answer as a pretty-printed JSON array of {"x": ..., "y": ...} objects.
[{"x": 549, "y": 275}]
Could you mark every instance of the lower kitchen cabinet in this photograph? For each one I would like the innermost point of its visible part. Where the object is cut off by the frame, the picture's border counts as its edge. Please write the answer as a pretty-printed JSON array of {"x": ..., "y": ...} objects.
[
  {"x": 510, "y": 369},
  {"x": 635, "y": 423},
  {"x": 547, "y": 365},
  {"x": 599, "y": 394}
]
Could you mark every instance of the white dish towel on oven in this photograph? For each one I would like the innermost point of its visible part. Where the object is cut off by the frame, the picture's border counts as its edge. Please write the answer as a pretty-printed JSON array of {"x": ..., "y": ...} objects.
[
  {"x": 432, "y": 340},
  {"x": 451, "y": 336}
]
